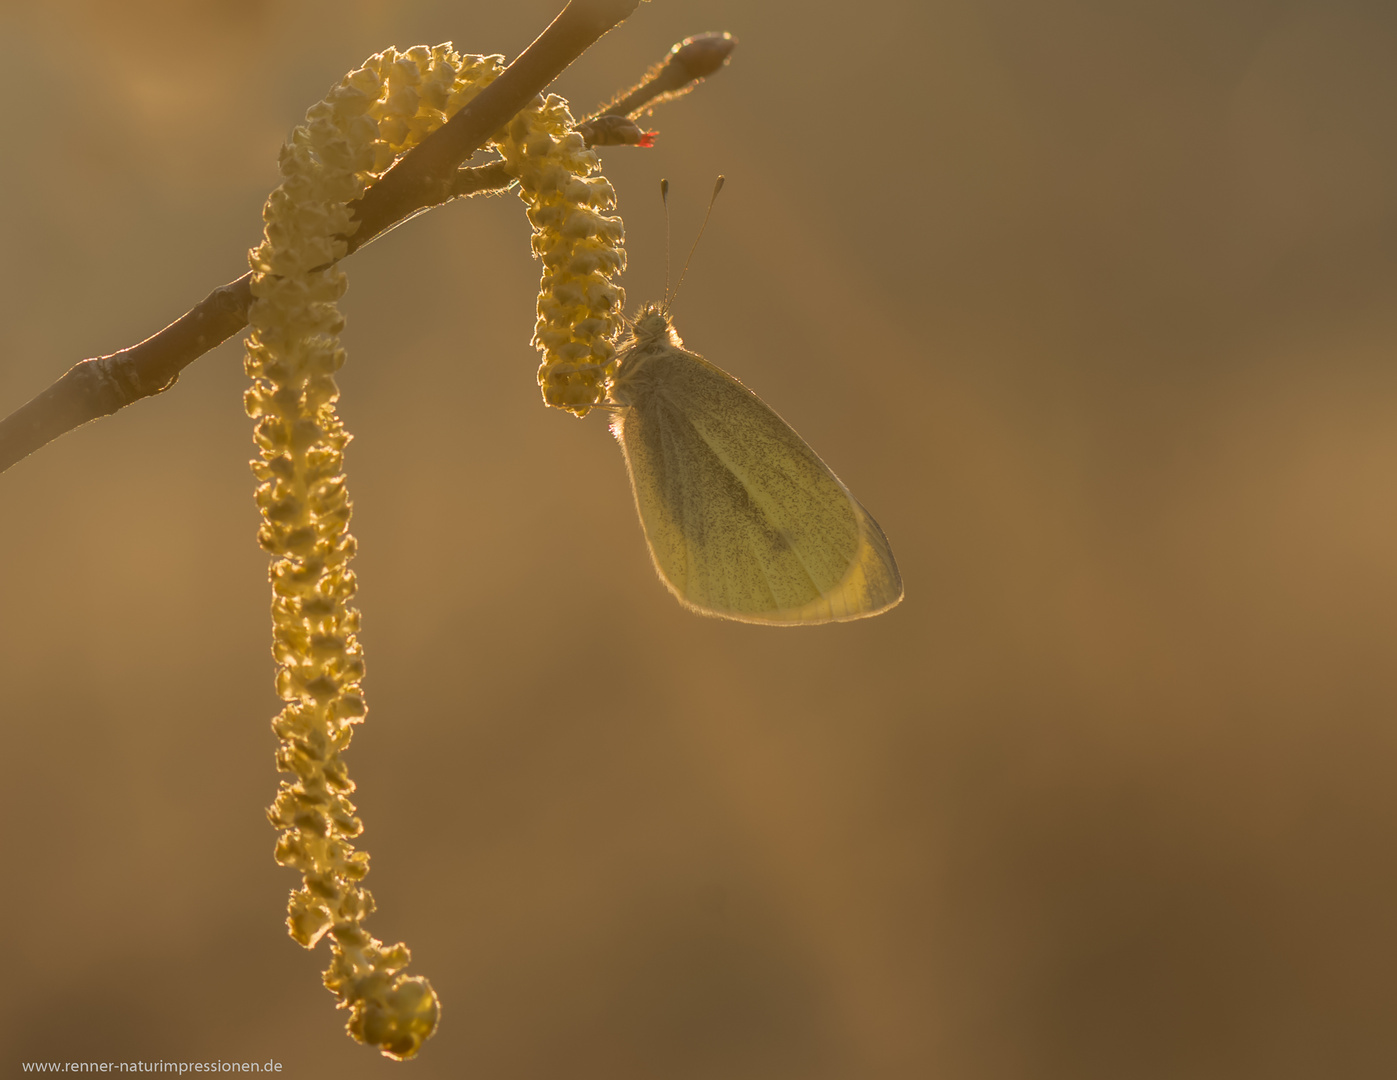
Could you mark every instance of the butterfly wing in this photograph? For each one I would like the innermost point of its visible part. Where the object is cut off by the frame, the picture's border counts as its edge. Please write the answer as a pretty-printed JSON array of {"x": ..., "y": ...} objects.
[{"x": 743, "y": 519}]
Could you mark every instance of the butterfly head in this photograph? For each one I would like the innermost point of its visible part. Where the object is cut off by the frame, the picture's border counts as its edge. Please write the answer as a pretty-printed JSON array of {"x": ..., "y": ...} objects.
[{"x": 652, "y": 326}]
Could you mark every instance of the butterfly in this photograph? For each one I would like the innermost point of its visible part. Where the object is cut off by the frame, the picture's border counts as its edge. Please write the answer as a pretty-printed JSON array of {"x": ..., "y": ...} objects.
[{"x": 743, "y": 519}]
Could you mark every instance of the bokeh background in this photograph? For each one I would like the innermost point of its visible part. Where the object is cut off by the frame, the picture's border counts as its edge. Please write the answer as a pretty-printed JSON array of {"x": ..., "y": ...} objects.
[{"x": 1091, "y": 303}]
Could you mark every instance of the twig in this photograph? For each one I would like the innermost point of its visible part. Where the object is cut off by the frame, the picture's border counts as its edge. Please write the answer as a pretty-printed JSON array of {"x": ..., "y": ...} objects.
[
  {"x": 425, "y": 177},
  {"x": 688, "y": 64}
]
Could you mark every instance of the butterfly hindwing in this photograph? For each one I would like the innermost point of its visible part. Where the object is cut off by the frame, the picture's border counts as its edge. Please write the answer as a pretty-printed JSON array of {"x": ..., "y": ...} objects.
[{"x": 743, "y": 519}]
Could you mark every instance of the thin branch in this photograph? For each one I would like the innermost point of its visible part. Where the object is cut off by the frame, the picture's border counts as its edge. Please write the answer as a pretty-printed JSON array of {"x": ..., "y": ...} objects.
[
  {"x": 688, "y": 64},
  {"x": 480, "y": 179},
  {"x": 102, "y": 385}
]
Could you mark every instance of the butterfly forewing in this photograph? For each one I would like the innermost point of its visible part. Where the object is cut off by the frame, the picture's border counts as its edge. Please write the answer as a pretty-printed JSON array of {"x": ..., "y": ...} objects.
[{"x": 743, "y": 519}]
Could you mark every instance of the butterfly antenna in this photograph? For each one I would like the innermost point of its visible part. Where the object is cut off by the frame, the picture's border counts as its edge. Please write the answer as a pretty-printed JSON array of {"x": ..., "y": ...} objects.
[
  {"x": 664, "y": 198},
  {"x": 717, "y": 187}
]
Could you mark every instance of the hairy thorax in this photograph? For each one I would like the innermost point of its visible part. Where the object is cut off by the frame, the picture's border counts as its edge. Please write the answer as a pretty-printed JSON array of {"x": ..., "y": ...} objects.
[{"x": 653, "y": 339}]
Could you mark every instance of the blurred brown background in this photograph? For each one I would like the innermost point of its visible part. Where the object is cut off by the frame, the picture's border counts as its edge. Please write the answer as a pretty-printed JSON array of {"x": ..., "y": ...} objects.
[{"x": 1091, "y": 303}]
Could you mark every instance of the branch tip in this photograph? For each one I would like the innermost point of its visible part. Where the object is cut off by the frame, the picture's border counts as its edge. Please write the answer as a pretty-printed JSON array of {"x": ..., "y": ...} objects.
[
  {"x": 703, "y": 54},
  {"x": 685, "y": 66}
]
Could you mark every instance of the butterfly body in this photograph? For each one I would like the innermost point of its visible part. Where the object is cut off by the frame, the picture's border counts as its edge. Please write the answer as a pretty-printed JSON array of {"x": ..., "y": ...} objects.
[{"x": 743, "y": 519}]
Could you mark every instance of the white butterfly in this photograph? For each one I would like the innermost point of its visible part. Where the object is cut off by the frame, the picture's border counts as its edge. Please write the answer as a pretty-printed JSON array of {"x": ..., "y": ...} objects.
[{"x": 743, "y": 519}]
